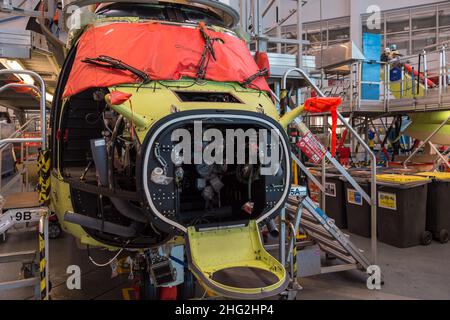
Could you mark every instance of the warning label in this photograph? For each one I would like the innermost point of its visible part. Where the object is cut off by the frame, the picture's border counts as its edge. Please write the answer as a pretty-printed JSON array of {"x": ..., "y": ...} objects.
[
  {"x": 32, "y": 135},
  {"x": 297, "y": 191},
  {"x": 312, "y": 147},
  {"x": 387, "y": 200},
  {"x": 330, "y": 189},
  {"x": 354, "y": 197}
]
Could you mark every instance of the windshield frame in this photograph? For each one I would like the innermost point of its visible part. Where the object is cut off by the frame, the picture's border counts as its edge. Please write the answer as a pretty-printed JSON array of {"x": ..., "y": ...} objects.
[{"x": 173, "y": 13}]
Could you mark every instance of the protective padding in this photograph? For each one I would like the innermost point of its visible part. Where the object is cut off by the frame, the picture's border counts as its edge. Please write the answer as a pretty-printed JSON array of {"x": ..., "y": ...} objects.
[
  {"x": 163, "y": 52},
  {"x": 219, "y": 249}
]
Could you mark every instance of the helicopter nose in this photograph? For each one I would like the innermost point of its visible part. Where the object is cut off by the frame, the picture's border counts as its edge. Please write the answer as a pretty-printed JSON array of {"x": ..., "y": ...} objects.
[{"x": 205, "y": 167}]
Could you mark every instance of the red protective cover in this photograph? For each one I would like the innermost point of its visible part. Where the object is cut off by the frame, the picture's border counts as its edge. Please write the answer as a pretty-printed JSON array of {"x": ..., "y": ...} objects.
[
  {"x": 164, "y": 52},
  {"x": 20, "y": 89},
  {"x": 118, "y": 97},
  {"x": 326, "y": 104},
  {"x": 262, "y": 60},
  {"x": 168, "y": 293}
]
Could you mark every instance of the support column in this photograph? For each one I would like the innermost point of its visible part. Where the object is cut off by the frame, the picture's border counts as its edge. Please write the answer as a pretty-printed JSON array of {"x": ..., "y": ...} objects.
[
  {"x": 299, "y": 34},
  {"x": 356, "y": 8},
  {"x": 278, "y": 12}
]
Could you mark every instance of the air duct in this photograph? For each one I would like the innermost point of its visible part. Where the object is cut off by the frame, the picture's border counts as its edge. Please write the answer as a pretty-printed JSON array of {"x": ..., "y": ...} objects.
[{"x": 100, "y": 156}]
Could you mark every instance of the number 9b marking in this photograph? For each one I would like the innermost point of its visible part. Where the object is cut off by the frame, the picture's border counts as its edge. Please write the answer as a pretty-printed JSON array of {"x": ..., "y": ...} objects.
[{"x": 25, "y": 216}]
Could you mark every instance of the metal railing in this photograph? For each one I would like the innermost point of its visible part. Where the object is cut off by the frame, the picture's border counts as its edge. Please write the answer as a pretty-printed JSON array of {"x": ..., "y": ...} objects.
[
  {"x": 422, "y": 84},
  {"x": 42, "y": 92},
  {"x": 428, "y": 141},
  {"x": 14, "y": 139},
  {"x": 44, "y": 264},
  {"x": 257, "y": 10},
  {"x": 372, "y": 199},
  {"x": 24, "y": 155}
]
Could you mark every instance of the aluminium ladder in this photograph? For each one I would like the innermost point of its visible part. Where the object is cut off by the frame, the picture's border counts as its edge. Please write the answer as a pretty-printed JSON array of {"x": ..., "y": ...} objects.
[
  {"x": 26, "y": 207},
  {"x": 371, "y": 199},
  {"x": 323, "y": 231}
]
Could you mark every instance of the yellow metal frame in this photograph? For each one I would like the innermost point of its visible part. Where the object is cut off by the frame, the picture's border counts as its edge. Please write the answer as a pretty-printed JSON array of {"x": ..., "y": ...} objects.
[
  {"x": 210, "y": 251},
  {"x": 59, "y": 196},
  {"x": 157, "y": 100},
  {"x": 150, "y": 103}
]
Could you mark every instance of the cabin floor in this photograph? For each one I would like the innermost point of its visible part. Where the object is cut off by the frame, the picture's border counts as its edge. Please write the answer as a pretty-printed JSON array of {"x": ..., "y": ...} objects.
[{"x": 414, "y": 273}]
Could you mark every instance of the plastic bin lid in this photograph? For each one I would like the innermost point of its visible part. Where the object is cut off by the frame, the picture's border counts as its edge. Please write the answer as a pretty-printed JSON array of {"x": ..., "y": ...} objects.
[
  {"x": 400, "y": 179},
  {"x": 435, "y": 175}
]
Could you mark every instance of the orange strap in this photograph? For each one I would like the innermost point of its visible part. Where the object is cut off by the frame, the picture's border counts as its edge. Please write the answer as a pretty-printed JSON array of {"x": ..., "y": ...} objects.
[
  {"x": 202, "y": 25},
  {"x": 118, "y": 97},
  {"x": 326, "y": 104},
  {"x": 344, "y": 136},
  {"x": 56, "y": 17}
]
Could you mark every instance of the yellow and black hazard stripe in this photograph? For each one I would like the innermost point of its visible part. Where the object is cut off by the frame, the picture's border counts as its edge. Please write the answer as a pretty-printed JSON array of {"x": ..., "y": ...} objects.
[
  {"x": 42, "y": 265},
  {"x": 44, "y": 167},
  {"x": 369, "y": 163},
  {"x": 284, "y": 101},
  {"x": 294, "y": 259}
]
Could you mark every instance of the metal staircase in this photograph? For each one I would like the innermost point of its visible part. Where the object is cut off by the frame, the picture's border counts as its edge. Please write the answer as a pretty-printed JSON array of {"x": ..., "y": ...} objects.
[
  {"x": 302, "y": 213},
  {"x": 371, "y": 199},
  {"x": 331, "y": 240},
  {"x": 27, "y": 207}
]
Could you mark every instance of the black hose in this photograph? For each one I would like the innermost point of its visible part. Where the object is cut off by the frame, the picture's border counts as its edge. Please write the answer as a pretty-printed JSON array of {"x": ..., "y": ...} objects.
[{"x": 99, "y": 155}]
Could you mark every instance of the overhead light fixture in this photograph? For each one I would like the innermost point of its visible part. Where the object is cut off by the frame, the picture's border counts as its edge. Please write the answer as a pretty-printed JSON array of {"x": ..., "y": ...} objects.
[{"x": 15, "y": 65}]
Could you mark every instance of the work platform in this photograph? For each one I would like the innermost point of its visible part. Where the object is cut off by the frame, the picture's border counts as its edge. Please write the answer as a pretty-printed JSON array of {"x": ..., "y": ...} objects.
[
  {"x": 21, "y": 200},
  {"x": 338, "y": 72},
  {"x": 432, "y": 102},
  {"x": 24, "y": 209}
]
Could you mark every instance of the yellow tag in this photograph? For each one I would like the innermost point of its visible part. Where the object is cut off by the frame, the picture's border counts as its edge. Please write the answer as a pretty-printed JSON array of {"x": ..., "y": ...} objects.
[
  {"x": 387, "y": 200},
  {"x": 354, "y": 197}
]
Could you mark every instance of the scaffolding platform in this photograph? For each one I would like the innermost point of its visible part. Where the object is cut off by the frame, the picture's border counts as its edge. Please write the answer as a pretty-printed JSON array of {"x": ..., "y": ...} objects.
[
  {"x": 21, "y": 200},
  {"x": 23, "y": 209}
]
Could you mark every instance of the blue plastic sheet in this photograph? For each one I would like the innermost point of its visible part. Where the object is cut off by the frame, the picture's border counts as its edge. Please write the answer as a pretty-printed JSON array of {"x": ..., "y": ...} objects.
[{"x": 371, "y": 71}]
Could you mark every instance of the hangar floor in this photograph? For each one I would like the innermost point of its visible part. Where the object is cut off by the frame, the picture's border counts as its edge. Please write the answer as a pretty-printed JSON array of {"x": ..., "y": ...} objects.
[{"x": 414, "y": 273}]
